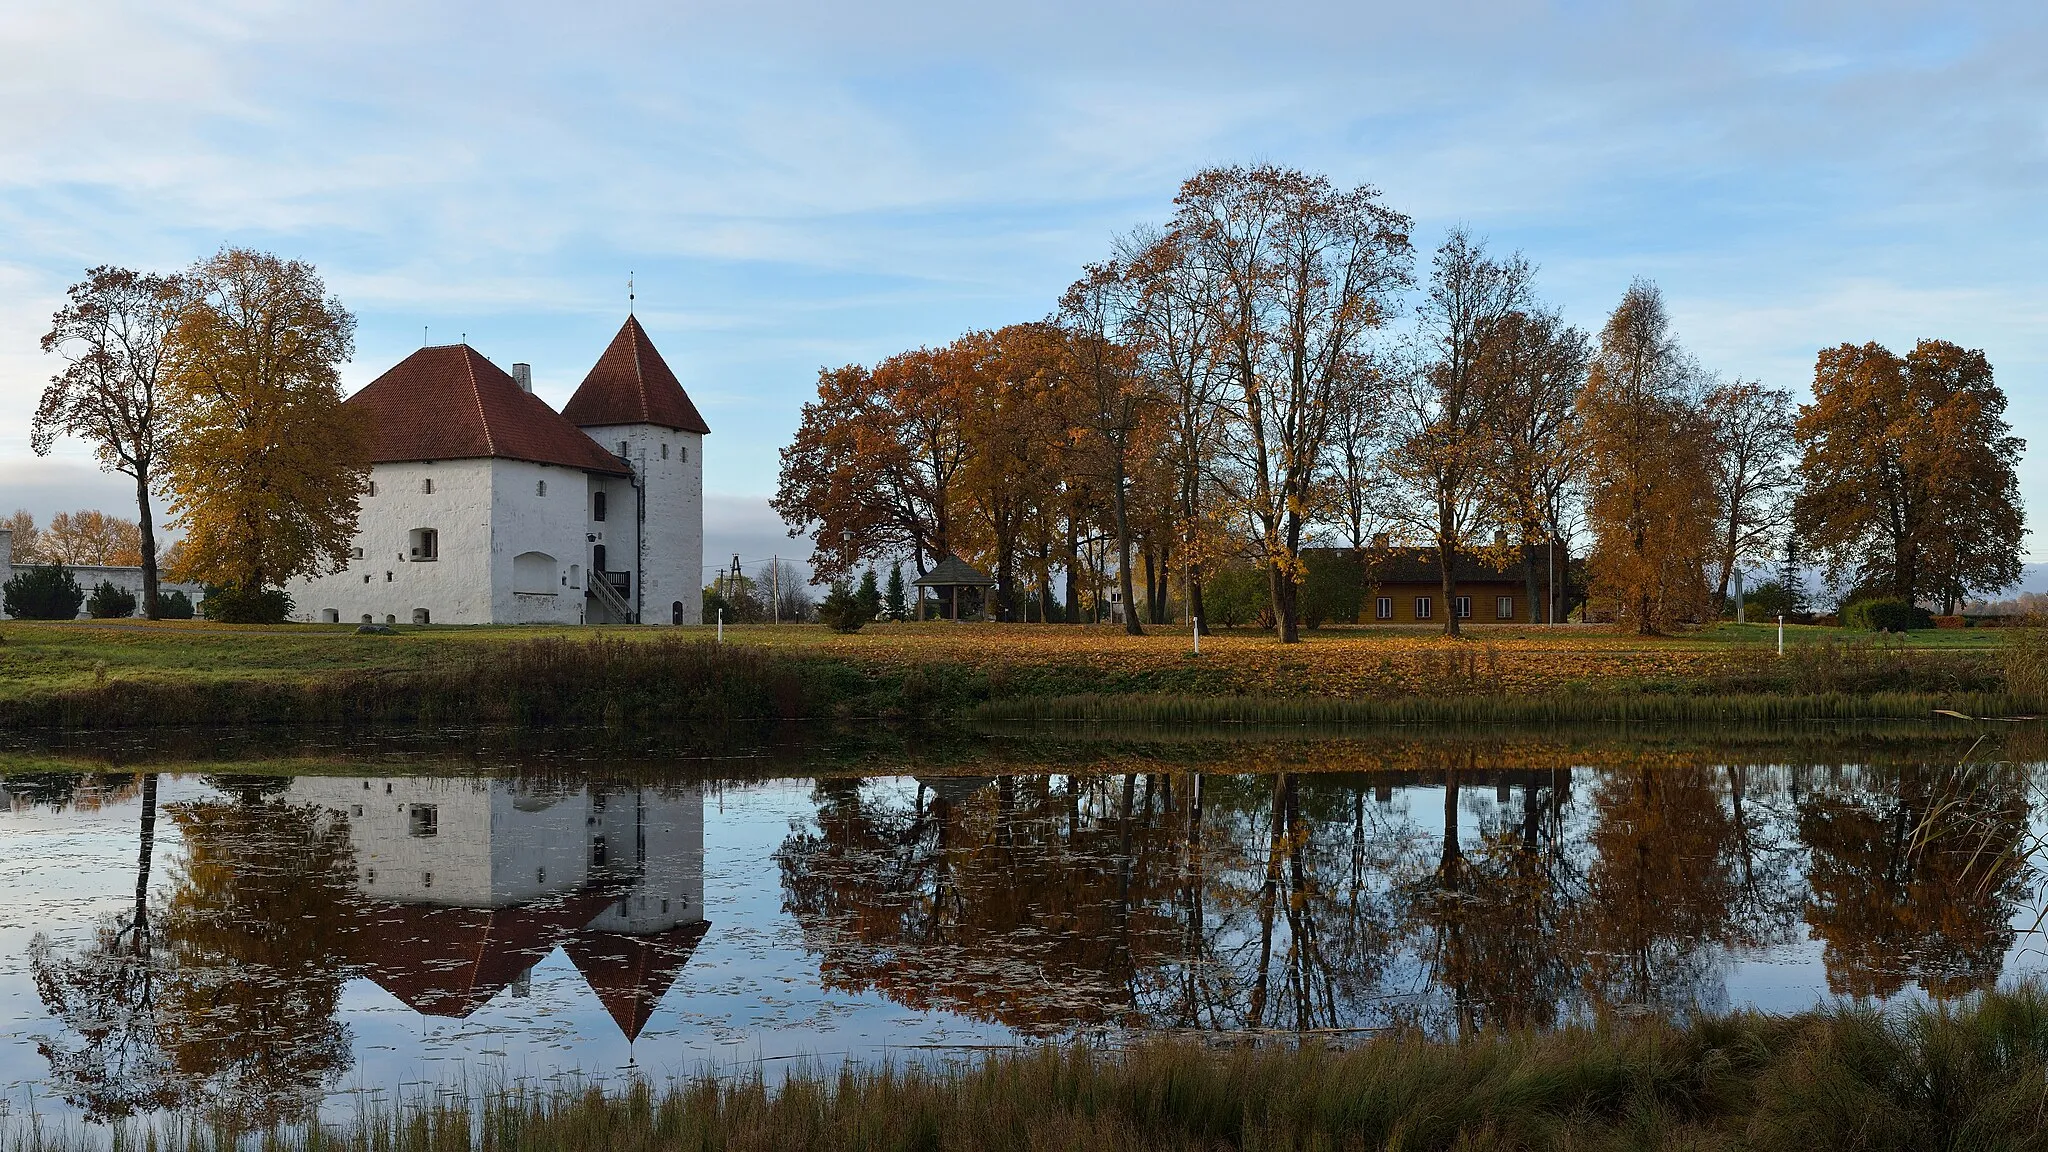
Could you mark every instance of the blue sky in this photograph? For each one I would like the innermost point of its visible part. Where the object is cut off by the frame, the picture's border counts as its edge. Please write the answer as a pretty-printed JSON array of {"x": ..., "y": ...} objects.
[{"x": 803, "y": 184}]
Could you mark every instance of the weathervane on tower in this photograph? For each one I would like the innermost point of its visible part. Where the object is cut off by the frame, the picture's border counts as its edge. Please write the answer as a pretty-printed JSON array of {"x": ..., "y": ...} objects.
[{"x": 629, "y": 292}]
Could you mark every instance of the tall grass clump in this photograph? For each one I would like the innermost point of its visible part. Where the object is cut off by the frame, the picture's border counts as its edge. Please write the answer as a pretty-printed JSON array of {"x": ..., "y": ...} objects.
[
  {"x": 2023, "y": 658},
  {"x": 1967, "y": 1076}
]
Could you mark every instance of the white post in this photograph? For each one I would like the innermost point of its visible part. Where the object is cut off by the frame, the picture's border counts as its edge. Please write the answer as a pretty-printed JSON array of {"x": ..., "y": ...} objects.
[
  {"x": 1198, "y": 635},
  {"x": 775, "y": 585},
  {"x": 721, "y": 625},
  {"x": 1740, "y": 617},
  {"x": 1781, "y": 635}
]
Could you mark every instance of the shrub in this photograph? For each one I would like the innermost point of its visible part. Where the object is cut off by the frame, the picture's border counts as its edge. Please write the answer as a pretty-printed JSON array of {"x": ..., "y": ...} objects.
[
  {"x": 110, "y": 602},
  {"x": 174, "y": 605},
  {"x": 232, "y": 604},
  {"x": 42, "y": 592},
  {"x": 1332, "y": 588},
  {"x": 1233, "y": 596},
  {"x": 842, "y": 610},
  {"x": 1887, "y": 615}
]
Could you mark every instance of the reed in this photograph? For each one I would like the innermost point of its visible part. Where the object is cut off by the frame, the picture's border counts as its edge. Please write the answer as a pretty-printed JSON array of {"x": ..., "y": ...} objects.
[
  {"x": 1562, "y": 707},
  {"x": 1927, "y": 1077}
]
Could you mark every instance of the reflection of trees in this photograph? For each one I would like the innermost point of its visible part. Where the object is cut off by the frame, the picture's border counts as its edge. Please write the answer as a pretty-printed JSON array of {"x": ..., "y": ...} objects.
[
  {"x": 225, "y": 994},
  {"x": 111, "y": 1063},
  {"x": 1916, "y": 876}
]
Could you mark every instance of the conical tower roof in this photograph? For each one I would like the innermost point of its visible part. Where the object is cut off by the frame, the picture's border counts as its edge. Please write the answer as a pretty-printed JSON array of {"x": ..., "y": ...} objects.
[
  {"x": 630, "y": 974},
  {"x": 632, "y": 384}
]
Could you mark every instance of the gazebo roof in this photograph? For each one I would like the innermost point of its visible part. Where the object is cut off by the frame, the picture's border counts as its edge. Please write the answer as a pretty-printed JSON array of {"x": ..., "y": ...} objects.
[{"x": 953, "y": 572}]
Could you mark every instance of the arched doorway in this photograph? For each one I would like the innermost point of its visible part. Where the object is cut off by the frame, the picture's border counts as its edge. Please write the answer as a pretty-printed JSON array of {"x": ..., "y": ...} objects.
[{"x": 675, "y": 613}]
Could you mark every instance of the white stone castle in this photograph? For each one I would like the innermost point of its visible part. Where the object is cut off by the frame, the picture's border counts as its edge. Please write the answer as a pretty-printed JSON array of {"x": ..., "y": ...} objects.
[{"x": 486, "y": 506}]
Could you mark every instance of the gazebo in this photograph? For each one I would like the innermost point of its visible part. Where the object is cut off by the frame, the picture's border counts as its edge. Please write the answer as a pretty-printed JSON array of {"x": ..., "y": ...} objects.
[{"x": 948, "y": 578}]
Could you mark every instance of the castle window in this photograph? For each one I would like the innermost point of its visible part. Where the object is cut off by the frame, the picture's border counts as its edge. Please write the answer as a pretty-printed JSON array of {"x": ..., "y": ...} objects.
[
  {"x": 426, "y": 879},
  {"x": 419, "y": 616},
  {"x": 367, "y": 619},
  {"x": 427, "y": 486},
  {"x": 686, "y": 453},
  {"x": 423, "y": 820},
  {"x": 373, "y": 488},
  {"x": 425, "y": 544},
  {"x": 597, "y": 507},
  {"x": 622, "y": 448},
  {"x": 355, "y": 553},
  {"x": 330, "y": 615},
  {"x": 387, "y": 577},
  {"x": 664, "y": 451},
  {"x": 540, "y": 488}
]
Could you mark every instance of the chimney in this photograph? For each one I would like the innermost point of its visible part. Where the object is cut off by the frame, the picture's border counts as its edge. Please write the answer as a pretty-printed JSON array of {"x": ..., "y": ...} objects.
[{"x": 523, "y": 375}]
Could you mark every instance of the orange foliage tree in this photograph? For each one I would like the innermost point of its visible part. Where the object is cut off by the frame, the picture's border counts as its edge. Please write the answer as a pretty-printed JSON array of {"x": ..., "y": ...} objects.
[{"x": 1651, "y": 499}]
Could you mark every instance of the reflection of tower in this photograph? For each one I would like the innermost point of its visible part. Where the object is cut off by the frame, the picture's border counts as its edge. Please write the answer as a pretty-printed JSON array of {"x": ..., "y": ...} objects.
[
  {"x": 470, "y": 883},
  {"x": 632, "y": 951}
]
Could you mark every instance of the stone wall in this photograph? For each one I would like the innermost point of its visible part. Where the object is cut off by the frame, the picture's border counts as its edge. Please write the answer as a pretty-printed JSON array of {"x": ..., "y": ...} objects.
[{"x": 90, "y": 576}]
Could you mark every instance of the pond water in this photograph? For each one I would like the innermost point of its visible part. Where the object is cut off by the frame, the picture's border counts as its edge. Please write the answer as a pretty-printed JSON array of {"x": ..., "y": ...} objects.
[{"x": 278, "y": 943}]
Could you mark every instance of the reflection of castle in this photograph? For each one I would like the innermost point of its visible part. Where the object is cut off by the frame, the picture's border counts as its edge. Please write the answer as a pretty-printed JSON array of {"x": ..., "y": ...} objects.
[{"x": 470, "y": 883}]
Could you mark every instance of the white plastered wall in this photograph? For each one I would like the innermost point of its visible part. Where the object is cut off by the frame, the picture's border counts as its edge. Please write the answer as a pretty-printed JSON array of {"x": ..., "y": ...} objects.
[
  {"x": 486, "y": 514},
  {"x": 659, "y": 835},
  {"x": 672, "y": 559}
]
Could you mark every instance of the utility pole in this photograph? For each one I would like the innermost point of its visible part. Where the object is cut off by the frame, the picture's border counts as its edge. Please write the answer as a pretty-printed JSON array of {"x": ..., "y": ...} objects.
[{"x": 775, "y": 585}]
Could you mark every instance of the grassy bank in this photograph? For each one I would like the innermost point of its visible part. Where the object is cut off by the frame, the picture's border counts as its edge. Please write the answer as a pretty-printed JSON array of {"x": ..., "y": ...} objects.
[
  {"x": 80, "y": 675},
  {"x": 1974, "y": 1077}
]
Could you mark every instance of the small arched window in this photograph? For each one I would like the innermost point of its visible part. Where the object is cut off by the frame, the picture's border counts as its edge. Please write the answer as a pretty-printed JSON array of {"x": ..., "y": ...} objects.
[
  {"x": 597, "y": 507},
  {"x": 540, "y": 488}
]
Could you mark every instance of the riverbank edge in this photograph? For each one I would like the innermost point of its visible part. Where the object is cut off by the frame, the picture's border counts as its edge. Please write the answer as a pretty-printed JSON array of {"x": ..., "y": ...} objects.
[
  {"x": 639, "y": 685},
  {"x": 1972, "y": 1074}
]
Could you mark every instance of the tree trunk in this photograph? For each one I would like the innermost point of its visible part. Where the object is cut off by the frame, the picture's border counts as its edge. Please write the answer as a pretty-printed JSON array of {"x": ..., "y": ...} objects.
[
  {"x": 1447, "y": 567},
  {"x": 147, "y": 524},
  {"x": 1006, "y": 585},
  {"x": 1132, "y": 625},
  {"x": 146, "y": 853},
  {"x": 1536, "y": 615},
  {"x": 1073, "y": 573}
]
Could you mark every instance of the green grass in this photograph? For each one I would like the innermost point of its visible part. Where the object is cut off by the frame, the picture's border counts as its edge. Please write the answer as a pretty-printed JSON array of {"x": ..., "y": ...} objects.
[
  {"x": 1973, "y": 1076},
  {"x": 1589, "y": 707}
]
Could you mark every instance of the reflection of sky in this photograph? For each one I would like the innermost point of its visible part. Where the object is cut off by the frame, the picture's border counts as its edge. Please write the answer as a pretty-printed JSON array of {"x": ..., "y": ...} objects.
[{"x": 750, "y": 993}]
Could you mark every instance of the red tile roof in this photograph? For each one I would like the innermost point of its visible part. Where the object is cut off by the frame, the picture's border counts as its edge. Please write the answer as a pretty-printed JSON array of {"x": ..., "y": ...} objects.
[
  {"x": 449, "y": 403},
  {"x": 450, "y": 961},
  {"x": 632, "y": 384}
]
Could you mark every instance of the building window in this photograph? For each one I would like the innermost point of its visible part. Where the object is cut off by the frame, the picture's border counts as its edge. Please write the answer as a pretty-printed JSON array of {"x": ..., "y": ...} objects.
[
  {"x": 540, "y": 487},
  {"x": 370, "y": 877},
  {"x": 622, "y": 449},
  {"x": 597, "y": 853},
  {"x": 425, "y": 544},
  {"x": 366, "y": 580},
  {"x": 423, "y": 820},
  {"x": 367, "y": 619},
  {"x": 1422, "y": 607},
  {"x": 373, "y": 488},
  {"x": 686, "y": 453},
  {"x": 1463, "y": 606},
  {"x": 597, "y": 507},
  {"x": 664, "y": 451},
  {"x": 427, "y": 486},
  {"x": 419, "y": 616},
  {"x": 1383, "y": 608},
  {"x": 1504, "y": 607},
  {"x": 540, "y": 875},
  {"x": 387, "y": 577},
  {"x": 356, "y": 810},
  {"x": 426, "y": 879},
  {"x": 330, "y": 615},
  {"x": 355, "y": 553}
]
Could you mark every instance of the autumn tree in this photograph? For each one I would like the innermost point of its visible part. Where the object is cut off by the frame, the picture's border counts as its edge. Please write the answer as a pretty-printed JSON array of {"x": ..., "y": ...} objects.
[
  {"x": 92, "y": 537},
  {"x": 1537, "y": 365},
  {"x": 266, "y": 466},
  {"x": 1114, "y": 405},
  {"x": 875, "y": 465},
  {"x": 1446, "y": 408},
  {"x": 1298, "y": 274},
  {"x": 1651, "y": 499},
  {"x": 27, "y": 539},
  {"x": 1013, "y": 430},
  {"x": 1751, "y": 466},
  {"x": 114, "y": 332},
  {"x": 1907, "y": 472},
  {"x": 1173, "y": 325}
]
